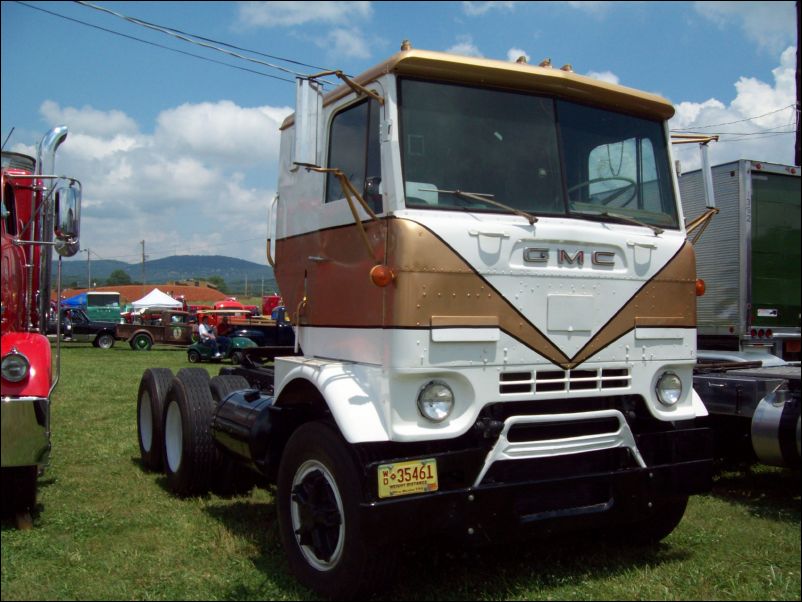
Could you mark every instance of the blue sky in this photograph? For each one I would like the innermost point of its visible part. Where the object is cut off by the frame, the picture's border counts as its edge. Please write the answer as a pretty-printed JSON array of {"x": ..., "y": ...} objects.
[{"x": 181, "y": 151}]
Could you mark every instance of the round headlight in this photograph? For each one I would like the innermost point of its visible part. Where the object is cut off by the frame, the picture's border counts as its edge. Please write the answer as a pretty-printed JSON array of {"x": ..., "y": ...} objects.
[
  {"x": 435, "y": 401},
  {"x": 15, "y": 367},
  {"x": 669, "y": 389}
]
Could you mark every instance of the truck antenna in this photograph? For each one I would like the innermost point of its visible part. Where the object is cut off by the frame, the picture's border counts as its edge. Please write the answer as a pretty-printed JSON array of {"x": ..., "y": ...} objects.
[{"x": 7, "y": 137}]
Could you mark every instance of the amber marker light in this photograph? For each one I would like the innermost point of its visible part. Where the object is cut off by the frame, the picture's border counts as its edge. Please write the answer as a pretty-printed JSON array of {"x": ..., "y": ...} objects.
[
  {"x": 381, "y": 275},
  {"x": 700, "y": 287}
]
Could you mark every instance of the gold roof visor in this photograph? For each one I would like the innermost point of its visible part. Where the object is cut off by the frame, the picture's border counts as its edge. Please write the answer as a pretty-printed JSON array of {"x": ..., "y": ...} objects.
[{"x": 454, "y": 68}]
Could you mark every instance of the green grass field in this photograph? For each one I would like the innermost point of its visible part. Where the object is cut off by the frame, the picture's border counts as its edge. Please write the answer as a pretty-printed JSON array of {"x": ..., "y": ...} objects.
[{"x": 108, "y": 530}]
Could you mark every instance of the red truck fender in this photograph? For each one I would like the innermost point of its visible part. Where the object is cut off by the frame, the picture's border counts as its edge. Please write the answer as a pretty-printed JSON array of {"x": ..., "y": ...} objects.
[{"x": 36, "y": 349}]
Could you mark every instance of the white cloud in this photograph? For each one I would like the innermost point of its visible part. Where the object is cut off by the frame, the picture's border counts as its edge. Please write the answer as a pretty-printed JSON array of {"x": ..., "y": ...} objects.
[
  {"x": 758, "y": 124},
  {"x": 222, "y": 131},
  {"x": 288, "y": 14},
  {"x": 475, "y": 9},
  {"x": 770, "y": 25},
  {"x": 591, "y": 8},
  {"x": 513, "y": 54},
  {"x": 181, "y": 189},
  {"x": 465, "y": 47},
  {"x": 89, "y": 120},
  {"x": 605, "y": 76},
  {"x": 346, "y": 43}
]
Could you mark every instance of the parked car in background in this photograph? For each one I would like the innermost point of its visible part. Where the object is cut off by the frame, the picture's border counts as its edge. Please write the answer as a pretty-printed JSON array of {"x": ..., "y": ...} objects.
[
  {"x": 100, "y": 333},
  {"x": 166, "y": 326}
]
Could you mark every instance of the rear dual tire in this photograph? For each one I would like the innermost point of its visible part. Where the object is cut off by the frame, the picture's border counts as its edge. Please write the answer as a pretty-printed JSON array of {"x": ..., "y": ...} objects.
[
  {"x": 153, "y": 388},
  {"x": 190, "y": 455}
]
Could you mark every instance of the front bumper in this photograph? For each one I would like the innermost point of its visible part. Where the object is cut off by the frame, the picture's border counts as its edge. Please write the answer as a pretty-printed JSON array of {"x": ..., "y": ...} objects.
[{"x": 601, "y": 488}]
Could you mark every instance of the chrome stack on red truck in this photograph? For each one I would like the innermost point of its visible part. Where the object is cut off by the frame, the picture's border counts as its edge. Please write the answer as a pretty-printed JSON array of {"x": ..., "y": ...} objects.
[{"x": 40, "y": 214}]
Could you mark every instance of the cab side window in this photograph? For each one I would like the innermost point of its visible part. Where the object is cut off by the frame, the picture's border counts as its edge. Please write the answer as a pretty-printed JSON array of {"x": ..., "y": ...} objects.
[{"x": 354, "y": 149}]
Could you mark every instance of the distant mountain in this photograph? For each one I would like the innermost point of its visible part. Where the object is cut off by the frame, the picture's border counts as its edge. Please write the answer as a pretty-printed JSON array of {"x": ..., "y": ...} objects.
[{"x": 235, "y": 272}]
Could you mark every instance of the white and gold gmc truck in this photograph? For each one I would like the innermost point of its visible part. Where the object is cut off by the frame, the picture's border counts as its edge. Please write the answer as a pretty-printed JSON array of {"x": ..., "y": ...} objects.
[{"x": 495, "y": 306}]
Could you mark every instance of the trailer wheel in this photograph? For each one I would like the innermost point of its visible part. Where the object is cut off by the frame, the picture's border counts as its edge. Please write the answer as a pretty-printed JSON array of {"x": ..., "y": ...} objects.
[
  {"x": 319, "y": 493},
  {"x": 153, "y": 387},
  {"x": 190, "y": 456},
  {"x": 104, "y": 341},
  {"x": 141, "y": 342}
]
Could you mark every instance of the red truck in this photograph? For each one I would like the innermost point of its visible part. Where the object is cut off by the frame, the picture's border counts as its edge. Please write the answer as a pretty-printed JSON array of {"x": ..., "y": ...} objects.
[{"x": 40, "y": 212}]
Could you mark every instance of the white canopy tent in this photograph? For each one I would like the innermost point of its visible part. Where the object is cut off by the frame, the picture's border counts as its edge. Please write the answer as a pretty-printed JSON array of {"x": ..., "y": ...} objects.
[{"x": 156, "y": 298}]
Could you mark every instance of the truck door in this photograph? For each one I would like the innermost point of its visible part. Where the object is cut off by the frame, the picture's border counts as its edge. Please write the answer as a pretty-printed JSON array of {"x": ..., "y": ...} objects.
[
  {"x": 176, "y": 329},
  {"x": 81, "y": 326},
  {"x": 342, "y": 253}
]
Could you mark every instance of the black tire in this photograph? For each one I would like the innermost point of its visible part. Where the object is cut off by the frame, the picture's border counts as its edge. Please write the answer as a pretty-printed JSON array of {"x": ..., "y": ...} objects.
[
  {"x": 190, "y": 455},
  {"x": 141, "y": 342},
  {"x": 236, "y": 357},
  {"x": 153, "y": 388},
  {"x": 222, "y": 386},
  {"x": 104, "y": 341},
  {"x": 318, "y": 496},
  {"x": 194, "y": 357},
  {"x": 19, "y": 484}
]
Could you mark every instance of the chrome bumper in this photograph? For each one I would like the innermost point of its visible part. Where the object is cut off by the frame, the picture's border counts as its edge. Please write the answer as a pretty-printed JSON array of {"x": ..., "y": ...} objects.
[{"x": 25, "y": 424}]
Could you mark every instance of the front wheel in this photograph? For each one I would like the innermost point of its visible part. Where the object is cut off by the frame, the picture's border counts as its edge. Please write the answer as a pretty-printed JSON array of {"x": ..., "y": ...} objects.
[
  {"x": 318, "y": 500},
  {"x": 193, "y": 356},
  {"x": 104, "y": 341}
]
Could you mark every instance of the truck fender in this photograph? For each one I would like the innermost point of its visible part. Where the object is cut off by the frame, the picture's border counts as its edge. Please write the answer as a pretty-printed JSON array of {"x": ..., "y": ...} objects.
[
  {"x": 139, "y": 331},
  {"x": 351, "y": 393},
  {"x": 698, "y": 405},
  {"x": 36, "y": 348}
]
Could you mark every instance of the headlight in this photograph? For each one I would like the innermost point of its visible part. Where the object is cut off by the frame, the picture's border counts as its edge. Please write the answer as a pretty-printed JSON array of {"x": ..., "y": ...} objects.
[
  {"x": 15, "y": 367},
  {"x": 435, "y": 401},
  {"x": 669, "y": 389}
]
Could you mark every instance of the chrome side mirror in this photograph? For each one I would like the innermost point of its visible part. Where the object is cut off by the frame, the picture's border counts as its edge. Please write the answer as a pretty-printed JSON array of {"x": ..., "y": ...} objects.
[
  {"x": 67, "y": 208},
  {"x": 308, "y": 117}
]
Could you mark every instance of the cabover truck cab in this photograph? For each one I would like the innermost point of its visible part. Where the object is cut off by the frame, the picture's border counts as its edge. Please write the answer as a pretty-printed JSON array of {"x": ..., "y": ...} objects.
[
  {"x": 749, "y": 258},
  {"x": 495, "y": 309},
  {"x": 40, "y": 211}
]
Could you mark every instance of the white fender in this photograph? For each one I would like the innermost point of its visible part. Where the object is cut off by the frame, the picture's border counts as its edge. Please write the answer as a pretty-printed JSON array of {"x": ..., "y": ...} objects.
[{"x": 351, "y": 391}]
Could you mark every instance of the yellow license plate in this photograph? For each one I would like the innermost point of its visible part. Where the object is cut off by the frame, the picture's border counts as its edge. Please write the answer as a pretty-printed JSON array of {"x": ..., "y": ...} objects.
[{"x": 404, "y": 478}]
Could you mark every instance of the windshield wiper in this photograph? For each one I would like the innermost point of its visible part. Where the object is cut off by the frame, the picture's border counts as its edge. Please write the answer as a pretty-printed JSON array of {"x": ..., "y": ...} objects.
[
  {"x": 621, "y": 219},
  {"x": 482, "y": 198}
]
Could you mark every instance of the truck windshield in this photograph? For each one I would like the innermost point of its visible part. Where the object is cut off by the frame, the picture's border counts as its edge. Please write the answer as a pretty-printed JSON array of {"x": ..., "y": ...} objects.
[{"x": 532, "y": 153}]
